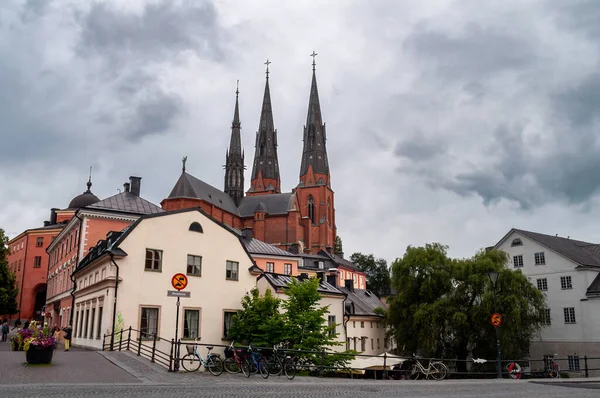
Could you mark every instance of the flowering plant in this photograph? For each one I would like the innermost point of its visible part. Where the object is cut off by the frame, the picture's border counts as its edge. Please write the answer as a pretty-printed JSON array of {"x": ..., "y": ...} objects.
[{"x": 35, "y": 336}]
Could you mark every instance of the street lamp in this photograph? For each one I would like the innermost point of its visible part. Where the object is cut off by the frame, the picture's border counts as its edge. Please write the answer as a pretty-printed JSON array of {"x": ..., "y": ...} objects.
[{"x": 493, "y": 275}]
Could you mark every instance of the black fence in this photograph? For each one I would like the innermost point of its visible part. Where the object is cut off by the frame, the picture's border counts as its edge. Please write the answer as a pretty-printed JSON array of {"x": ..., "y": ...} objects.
[{"x": 168, "y": 354}]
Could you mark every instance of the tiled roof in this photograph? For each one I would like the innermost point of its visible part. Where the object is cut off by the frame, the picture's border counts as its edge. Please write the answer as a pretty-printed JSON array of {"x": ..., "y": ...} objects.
[
  {"x": 583, "y": 253},
  {"x": 256, "y": 246},
  {"x": 128, "y": 203},
  {"x": 365, "y": 302},
  {"x": 281, "y": 281},
  {"x": 189, "y": 186},
  {"x": 279, "y": 203}
]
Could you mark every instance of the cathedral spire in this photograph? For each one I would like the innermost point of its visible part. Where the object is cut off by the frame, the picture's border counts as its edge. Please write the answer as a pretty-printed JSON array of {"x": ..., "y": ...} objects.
[
  {"x": 265, "y": 169},
  {"x": 314, "y": 169},
  {"x": 234, "y": 157}
]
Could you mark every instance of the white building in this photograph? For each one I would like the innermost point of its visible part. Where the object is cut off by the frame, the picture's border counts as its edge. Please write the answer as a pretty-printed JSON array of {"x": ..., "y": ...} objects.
[
  {"x": 144, "y": 258},
  {"x": 568, "y": 272}
]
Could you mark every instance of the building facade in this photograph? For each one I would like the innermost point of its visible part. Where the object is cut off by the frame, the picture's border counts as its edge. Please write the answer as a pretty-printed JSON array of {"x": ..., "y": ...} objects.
[
  {"x": 302, "y": 221},
  {"x": 568, "y": 272}
]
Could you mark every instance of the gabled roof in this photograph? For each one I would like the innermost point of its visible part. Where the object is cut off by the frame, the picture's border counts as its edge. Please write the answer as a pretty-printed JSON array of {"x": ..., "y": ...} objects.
[
  {"x": 365, "y": 302},
  {"x": 580, "y": 252},
  {"x": 280, "y": 203},
  {"x": 312, "y": 261},
  {"x": 256, "y": 246},
  {"x": 279, "y": 281},
  {"x": 188, "y": 186},
  {"x": 127, "y": 202}
]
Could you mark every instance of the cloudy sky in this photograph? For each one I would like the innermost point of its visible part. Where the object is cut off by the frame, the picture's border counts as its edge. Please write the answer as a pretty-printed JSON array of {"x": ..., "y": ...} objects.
[{"x": 448, "y": 121}]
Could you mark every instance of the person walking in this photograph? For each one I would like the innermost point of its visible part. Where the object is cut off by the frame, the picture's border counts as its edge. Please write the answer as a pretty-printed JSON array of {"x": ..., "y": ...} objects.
[
  {"x": 68, "y": 331},
  {"x": 17, "y": 324},
  {"x": 5, "y": 330}
]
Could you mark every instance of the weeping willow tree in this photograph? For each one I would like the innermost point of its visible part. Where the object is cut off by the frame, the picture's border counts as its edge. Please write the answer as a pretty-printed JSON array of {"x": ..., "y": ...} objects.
[{"x": 443, "y": 305}]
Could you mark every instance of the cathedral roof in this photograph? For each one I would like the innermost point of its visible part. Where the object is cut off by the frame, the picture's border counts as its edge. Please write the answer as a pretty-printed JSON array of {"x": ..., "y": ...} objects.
[
  {"x": 189, "y": 186},
  {"x": 279, "y": 203}
]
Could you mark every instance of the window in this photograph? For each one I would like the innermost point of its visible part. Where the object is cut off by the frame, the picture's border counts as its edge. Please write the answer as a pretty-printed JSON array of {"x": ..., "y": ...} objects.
[
  {"x": 321, "y": 265},
  {"x": 573, "y": 362},
  {"x": 565, "y": 282},
  {"x": 149, "y": 322},
  {"x": 378, "y": 345},
  {"x": 196, "y": 227},
  {"x": 363, "y": 341},
  {"x": 372, "y": 344},
  {"x": 231, "y": 270},
  {"x": 103, "y": 273},
  {"x": 540, "y": 258},
  {"x": 96, "y": 277},
  {"x": 311, "y": 209},
  {"x": 91, "y": 335},
  {"x": 362, "y": 324},
  {"x": 569, "y": 314},
  {"x": 37, "y": 262},
  {"x": 191, "y": 324},
  {"x": 227, "y": 322},
  {"x": 287, "y": 269},
  {"x": 85, "y": 327},
  {"x": 153, "y": 260},
  {"x": 371, "y": 324},
  {"x": 546, "y": 319},
  {"x": 19, "y": 265},
  {"x": 76, "y": 323},
  {"x": 194, "y": 265},
  {"x": 39, "y": 242},
  {"x": 518, "y": 261},
  {"x": 516, "y": 242},
  {"x": 99, "y": 329},
  {"x": 330, "y": 323},
  {"x": 271, "y": 267},
  {"x": 542, "y": 284},
  {"x": 377, "y": 323}
]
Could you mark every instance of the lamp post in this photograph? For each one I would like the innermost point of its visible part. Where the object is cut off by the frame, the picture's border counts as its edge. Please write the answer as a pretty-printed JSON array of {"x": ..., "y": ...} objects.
[{"x": 493, "y": 275}]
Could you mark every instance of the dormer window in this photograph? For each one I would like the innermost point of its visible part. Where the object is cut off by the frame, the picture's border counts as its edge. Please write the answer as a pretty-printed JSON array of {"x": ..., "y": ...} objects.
[
  {"x": 516, "y": 242},
  {"x": 321, "y": 265},
  {"x": 196, "y": 227}
]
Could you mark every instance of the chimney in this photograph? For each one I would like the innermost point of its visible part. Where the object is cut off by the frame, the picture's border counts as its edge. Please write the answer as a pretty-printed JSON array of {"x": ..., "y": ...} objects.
[
  {"x": 302, "y": 277},
  {"x": 46, "y": 223},
  {"x": 341, "y": 254},
  {"x": 126, "y": 187},
  {"x": 320, "y": 276},
  {"x": 53, "y": 216},
  {"x": 332, "y": 276},
  {"x": 349, "y": 284},
  {"x": 329, "y": 249},
  {"x": 136, "y": 183},
  {"x": 293, "y": 248},
  {"x": 247, "y": 232}
]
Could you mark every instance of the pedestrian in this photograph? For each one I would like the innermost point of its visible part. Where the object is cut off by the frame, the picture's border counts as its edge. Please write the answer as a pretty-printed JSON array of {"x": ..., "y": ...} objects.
[
  {"x": 17, "y": 324},
  {"x": 68, "y": 331},
  {"x": 5, "y": 330},
  {"x": 56, "y": 334},
  {"x": 26, "y": 325}
]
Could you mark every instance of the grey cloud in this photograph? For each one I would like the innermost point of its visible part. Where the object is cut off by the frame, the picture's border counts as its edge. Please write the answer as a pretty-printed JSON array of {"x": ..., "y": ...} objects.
[
  {"x": 581, "y": 16},
  {"x": 417, "y": 149},
  {"x": 155, "y": 114},
  {"x": 580, "y": 104}
]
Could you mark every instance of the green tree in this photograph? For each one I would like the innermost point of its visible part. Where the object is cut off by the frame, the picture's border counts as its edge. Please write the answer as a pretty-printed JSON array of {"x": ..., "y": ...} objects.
[
  {"x": 377, "y": 271},
  {"x": 259, "y": 321},
  {"x": 338, "y": 248},
  {"x": 8, "y": 281},
  {"x": 443, "y": 306}
]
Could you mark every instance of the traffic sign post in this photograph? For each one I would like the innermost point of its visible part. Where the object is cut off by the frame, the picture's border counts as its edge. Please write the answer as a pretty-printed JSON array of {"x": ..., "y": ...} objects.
[{"x": 179, "y": 282}]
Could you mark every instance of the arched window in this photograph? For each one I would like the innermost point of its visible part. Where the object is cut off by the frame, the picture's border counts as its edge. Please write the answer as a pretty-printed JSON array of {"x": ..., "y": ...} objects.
[
  {"x": 196, "y": 227},
  {"x": 329, "y": 212},
  {"x": 311, "y": 209},
  {"x": 516, "y": 242}
]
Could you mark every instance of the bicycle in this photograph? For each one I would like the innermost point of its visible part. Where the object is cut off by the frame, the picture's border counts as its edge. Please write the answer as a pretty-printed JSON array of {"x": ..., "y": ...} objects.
[
  {"x": 281, "y": 363},
  {"x": 233, "y": 362},
  {"x": 437, "y": 370},
  {"x": 551, "y": 368},
  {"x": 253, "y": 362},
  {"x": 193, "y": 360}
]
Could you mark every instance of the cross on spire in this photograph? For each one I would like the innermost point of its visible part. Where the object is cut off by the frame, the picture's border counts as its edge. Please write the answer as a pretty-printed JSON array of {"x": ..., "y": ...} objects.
[
  {"x": 314, "y": 54},
  {"x": 267, "y": 63}
]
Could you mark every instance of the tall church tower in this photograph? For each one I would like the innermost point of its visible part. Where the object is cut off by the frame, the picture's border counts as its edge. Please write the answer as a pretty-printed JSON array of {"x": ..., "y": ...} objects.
[
  {"x": 234, "y": 158},
  {"x": 314, "y": 192},
  {"x": 265, "y": 170}
]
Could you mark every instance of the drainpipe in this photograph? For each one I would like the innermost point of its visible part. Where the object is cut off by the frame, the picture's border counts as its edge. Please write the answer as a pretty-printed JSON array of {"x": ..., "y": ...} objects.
[
  {"x": 23, "y": 277},
  {"x": 71, "y": 276},
  {"x": 114, "y": 317}
]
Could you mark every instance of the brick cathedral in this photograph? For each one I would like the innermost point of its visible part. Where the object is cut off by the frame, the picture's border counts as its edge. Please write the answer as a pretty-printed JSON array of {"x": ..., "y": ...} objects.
[{"x": 301, "y": 221}]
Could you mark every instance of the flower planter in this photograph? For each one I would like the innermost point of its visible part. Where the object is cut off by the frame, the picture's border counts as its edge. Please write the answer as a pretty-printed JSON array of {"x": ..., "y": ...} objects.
[
  {"x": 15, "y": 346},
  {"x": 37, "y": 355}
]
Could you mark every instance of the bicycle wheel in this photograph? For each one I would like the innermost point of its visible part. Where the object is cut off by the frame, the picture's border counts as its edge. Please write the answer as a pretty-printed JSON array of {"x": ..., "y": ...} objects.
[
  {"x": 274, "y": 365},
  {"x": 554, "y": 372},
  {"x": 246, "y": 367},
  {"x": 438, "y": 371},
  {"x": 414, "y": 373},
  {"x": 190, "y": 363},
  {"x": 231, "y": 366},
  {"x": 215, "y": 365},
  {"x": 289, "y": 368},
  {"x": 263, "y": 367},
  {"x": 514, "y": 370}
]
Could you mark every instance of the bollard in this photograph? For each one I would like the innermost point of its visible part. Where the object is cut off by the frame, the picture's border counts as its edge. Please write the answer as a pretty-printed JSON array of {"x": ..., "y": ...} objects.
[
  {"x": 171, "y": 356},
  {"x": 586, "y": 366}
]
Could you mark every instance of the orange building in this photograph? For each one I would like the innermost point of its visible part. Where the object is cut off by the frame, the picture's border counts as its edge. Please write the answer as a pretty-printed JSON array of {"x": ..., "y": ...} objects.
[
  {"x": 301, "y": 221},
  {"x": 87, "y": 220},
  {"x": 29, "y": 262}
]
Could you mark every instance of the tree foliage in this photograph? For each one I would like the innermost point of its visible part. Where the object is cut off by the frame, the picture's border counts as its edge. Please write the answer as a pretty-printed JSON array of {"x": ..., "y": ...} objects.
[
  {"x": 443, "y": 306},
  {"x": 377, "y": 271},
  {"x": 259, "y": 321},
  {"x": 338, "y": 248},
  {"x": 8, "y": 280}
]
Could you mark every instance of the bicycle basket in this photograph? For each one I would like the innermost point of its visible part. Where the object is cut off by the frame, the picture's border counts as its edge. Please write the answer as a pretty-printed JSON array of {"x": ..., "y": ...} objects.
[
  {"x": 229, "y": 353},
  {"x": 189, "y": 348}
]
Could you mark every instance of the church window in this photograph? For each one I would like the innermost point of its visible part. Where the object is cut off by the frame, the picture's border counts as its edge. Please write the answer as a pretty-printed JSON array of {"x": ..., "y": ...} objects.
[
  {"x": 329, "y": 211},
  {"x": 311, "y": 209},
  {"x": 196, "y": 227}
]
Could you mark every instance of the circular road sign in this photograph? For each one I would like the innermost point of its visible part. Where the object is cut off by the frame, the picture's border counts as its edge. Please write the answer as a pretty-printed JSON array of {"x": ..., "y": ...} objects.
[
  {"x": 496, "y": 319},
  {"x": 179, "y": 281}
]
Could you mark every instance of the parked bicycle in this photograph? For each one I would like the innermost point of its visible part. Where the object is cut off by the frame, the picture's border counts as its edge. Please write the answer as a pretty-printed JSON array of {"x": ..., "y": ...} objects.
[
  {"x": 253, "y": 362},
  {"x": 280, "y": 363},
  {"x": 436, "y": 369},
  {"x": 233, "y": 359},
  {"x": 551, "y": 368},
  {"x": 193, "y": 360}
]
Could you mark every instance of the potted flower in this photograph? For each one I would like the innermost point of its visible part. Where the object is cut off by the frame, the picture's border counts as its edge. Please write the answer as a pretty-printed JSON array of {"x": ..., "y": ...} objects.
[{"x": 38, "y": 343}]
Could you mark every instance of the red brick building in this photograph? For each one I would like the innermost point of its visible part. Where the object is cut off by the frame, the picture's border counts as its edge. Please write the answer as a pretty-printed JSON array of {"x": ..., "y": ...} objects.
[{"x": 301, "y": 221}]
